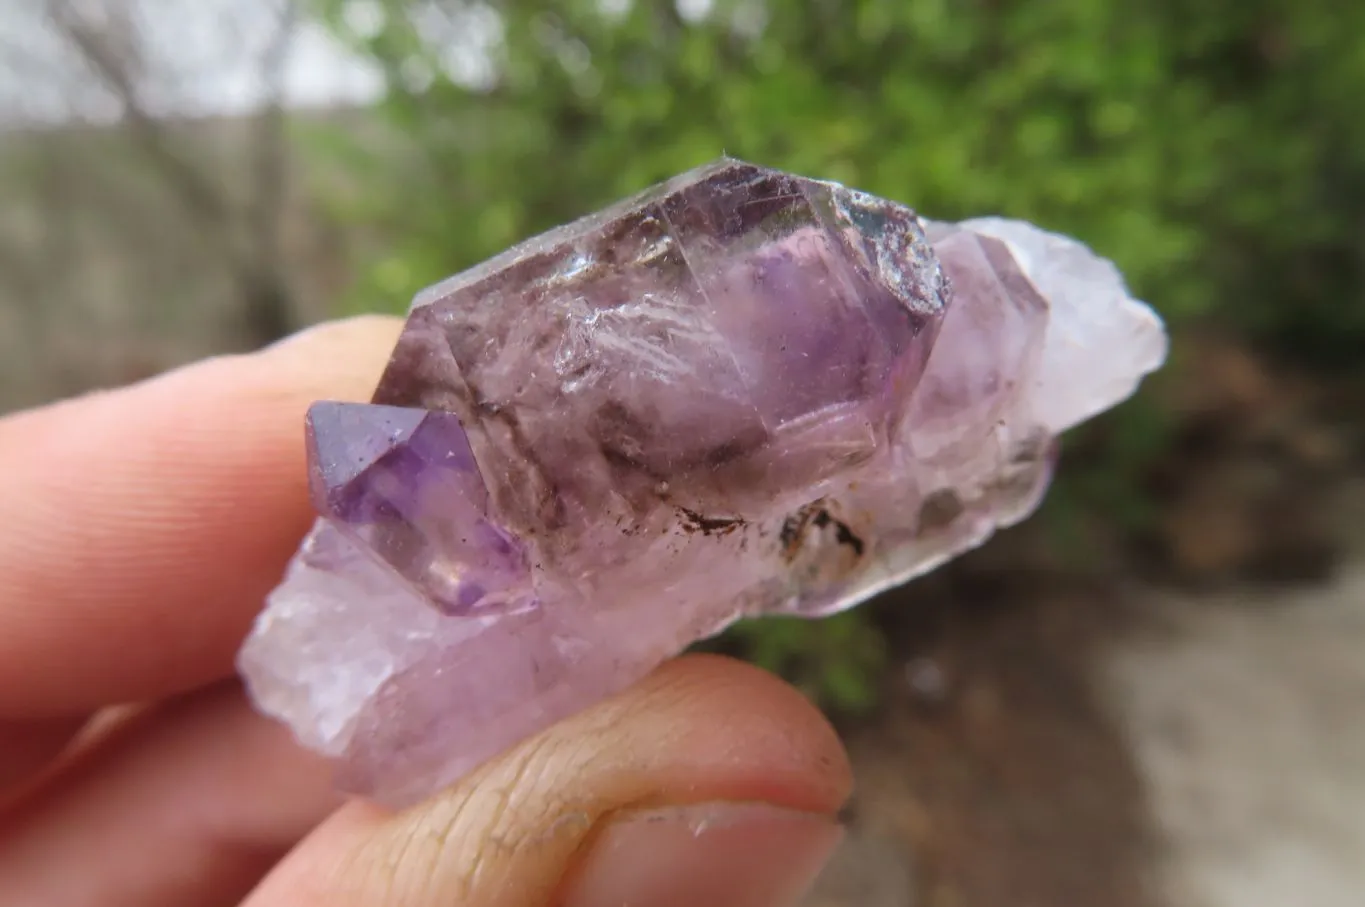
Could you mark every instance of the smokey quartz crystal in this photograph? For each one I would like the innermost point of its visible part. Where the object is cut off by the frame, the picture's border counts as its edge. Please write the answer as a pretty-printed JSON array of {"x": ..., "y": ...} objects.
[{"x": 740, "y": 392}]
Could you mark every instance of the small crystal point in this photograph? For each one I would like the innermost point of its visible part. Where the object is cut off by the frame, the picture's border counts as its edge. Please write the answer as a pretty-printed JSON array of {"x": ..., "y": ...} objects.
[
  {"x": 989, "y": 343},
  {"x": 345, "y": 439},
  {"x": 739, "y": 392},
  {"x": 403, "y": 483}
]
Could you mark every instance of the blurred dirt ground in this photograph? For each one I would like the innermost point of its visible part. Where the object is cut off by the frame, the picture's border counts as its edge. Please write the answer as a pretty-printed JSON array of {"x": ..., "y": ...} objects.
[
  {"x": 1192, "y": 738},
  {"x": 1243, "y": 713},
  {"x": 1210, "y": 753},
  {"x": 995, "y": 770}
]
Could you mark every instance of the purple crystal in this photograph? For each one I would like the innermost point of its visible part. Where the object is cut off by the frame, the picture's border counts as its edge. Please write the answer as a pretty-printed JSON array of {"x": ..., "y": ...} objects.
[
  {"x": 739, "y": 392},
  {"x": 403, "y": 483}
]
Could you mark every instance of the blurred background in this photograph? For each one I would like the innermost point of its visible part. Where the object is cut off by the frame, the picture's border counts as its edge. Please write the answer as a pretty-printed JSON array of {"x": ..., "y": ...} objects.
[{"x": 1149, "y": 695}]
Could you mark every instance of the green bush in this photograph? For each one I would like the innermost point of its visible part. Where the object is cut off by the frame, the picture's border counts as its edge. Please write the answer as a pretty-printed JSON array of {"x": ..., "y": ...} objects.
[
  {"x": 838, "y": 661},
  {"x": 1215, "y": 150}
]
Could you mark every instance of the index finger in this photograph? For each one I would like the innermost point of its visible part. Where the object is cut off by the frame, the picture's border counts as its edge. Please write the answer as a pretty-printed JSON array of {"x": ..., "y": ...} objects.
[{"x": 143, "y": 526}]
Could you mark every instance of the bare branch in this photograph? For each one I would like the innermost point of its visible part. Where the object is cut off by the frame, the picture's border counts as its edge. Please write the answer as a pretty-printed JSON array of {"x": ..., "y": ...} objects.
[
  {"x": 117, "y": 71},
  {"x": 244, "y": 228},
  {"x": 271, "y": 143},
  {"x": 269, "y": 309}
]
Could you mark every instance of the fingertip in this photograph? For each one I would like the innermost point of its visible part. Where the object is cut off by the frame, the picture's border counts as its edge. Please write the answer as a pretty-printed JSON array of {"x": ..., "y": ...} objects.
[
  {"x": 700, "y": 730},
  {"x": 144, "y": 525},
  {"x": 190, "y": 801},
  {"x": 805, "y": 764}
]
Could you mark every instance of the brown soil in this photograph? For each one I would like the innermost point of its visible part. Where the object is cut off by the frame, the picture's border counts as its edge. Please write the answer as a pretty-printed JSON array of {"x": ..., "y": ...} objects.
[
  {"x": 993, "y": 769},
  {"x": 996, "y": 773}
]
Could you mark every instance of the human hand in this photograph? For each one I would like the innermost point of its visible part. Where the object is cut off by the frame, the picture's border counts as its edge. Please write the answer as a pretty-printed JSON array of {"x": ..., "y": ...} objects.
[{"x": 142, "y": 528}]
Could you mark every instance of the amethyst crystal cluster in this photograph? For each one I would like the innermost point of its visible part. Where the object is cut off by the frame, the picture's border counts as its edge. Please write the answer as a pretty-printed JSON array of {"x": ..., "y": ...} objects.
[{"x": 741, "y": 392}]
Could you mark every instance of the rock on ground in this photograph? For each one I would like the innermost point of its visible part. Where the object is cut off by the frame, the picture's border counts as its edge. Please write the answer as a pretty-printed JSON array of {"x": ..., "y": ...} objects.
[{"x": 1246, "y": 718}]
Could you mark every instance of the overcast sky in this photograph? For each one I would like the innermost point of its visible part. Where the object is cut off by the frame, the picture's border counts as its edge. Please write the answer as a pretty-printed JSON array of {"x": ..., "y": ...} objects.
[{"x": 204, "y": 57}]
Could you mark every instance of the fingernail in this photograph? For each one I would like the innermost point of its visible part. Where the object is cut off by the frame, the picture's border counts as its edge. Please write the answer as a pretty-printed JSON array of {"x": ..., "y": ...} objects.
[{"x": 723, "y": 854}]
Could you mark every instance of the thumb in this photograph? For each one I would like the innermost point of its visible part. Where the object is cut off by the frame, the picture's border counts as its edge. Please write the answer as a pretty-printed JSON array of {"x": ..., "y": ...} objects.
[{"x": 710, "y": 782}]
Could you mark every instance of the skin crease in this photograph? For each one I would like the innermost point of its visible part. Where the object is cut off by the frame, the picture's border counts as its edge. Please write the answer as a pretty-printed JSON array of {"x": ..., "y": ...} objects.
[{"x": 143, "y": 526}]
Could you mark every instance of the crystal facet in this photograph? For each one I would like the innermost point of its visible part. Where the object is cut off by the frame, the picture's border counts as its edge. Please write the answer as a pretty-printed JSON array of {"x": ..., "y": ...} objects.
[
  {"x": 740, "y": 392},
  {"x": 403, "y": 483}
]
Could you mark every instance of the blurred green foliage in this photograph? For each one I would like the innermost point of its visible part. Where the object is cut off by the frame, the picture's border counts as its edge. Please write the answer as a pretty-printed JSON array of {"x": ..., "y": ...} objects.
[
  {"x": 1215, "y": 150},
  {"x": 838, "y": 661}
]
